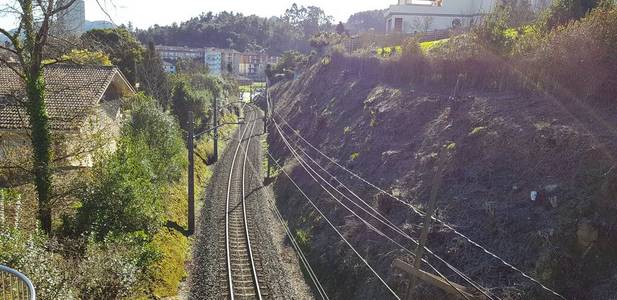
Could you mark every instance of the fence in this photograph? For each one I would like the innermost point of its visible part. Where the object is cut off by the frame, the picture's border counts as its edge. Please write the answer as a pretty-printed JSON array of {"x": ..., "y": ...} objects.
[{"x": 15, "y": 286}]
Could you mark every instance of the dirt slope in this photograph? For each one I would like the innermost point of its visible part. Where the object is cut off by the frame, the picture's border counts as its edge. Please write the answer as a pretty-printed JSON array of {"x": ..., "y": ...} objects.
[{"x": 504, "y": 146}]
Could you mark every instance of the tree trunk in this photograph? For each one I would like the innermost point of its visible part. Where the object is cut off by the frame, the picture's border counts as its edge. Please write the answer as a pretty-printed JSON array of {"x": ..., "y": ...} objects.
[{"x": 41, "y": 144}]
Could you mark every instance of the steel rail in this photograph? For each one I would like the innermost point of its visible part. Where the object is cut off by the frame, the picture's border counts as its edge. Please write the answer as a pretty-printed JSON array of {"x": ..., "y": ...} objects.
[
  {"x": 227, "y": 239},
  {"x": 246, "y": 224}
]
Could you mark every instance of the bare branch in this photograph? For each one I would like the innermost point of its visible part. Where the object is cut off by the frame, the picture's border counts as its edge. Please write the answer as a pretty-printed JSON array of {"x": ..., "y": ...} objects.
[
  {"x": 98, "y": 2},
  {"x": 61, "y": 8},
  {"x": 9, "y": 50}
]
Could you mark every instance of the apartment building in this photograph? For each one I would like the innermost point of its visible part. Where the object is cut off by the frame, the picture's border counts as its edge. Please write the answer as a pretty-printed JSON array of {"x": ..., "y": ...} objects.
[
  {"x": 251, "y": 65},
  {"x": 172, "y": 53}
]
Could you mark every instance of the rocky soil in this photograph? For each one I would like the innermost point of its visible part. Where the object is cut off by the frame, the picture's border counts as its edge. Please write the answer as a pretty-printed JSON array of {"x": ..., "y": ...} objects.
[{"x": 504, "y": 147}]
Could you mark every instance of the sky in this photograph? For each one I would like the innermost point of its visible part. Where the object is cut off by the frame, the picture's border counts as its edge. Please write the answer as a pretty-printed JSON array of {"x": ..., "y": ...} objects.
[{"x": 145, "y": 13}]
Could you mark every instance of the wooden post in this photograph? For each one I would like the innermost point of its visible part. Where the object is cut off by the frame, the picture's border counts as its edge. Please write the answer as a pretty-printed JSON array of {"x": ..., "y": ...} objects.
[
  {"x": 191, "y": 174},
  {"x": 215, "y": 125},
  {"x": 436, "y": 281},
  {"x": 428, "y": 217}
]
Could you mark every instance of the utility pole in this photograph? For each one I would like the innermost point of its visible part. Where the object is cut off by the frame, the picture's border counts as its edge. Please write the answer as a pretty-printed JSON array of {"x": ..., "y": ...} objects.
[
  {"x": 266, "y": 122},
  {"x": 191, "y": 174},
  {"x": 215, "y": 125}
]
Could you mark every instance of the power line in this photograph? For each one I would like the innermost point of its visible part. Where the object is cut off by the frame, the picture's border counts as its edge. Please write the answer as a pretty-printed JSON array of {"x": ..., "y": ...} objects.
[
  {"x": 295, "y": 245},
  {"x": 370, "y": 226},
  {"x": 338, "y": 232},
  {"x": 392, "y": 226},
  {"x": 420, "y": 213}
]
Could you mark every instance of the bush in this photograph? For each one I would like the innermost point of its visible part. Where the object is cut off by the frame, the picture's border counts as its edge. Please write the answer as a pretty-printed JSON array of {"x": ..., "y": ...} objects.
[
  {"x": 561, "y": 12},
  {"x": 126, "y": 193},
  {"x": 161, "y": 133},
  {"x": 116, "y": 268},
  {"x": 577, "y": 61},
  {"x": 29, "y": 254}
]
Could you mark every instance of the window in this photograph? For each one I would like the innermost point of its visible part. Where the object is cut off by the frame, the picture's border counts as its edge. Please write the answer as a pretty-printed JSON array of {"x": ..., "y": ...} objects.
[{"x": 398, "y": 24}]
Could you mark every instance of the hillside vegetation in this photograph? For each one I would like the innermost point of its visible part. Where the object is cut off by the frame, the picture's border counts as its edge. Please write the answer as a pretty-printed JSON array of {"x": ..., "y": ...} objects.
[{"x": 534, "y": 112}]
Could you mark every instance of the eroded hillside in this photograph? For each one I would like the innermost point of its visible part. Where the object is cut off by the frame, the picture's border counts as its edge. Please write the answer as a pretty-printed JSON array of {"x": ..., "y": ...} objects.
[{"x": 503, "y": 147}]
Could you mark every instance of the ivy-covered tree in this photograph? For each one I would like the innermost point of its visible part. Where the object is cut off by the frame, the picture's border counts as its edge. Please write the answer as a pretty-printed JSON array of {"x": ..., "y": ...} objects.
[{"x": 28, "y": 44}]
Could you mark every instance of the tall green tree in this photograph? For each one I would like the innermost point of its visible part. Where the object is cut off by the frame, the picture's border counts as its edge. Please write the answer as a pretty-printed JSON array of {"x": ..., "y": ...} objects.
[
  {"x": 367, "y": 21},
  {"x": 124, "y": 50},
  {"x": 28, "y": 45},
  {"x": 152, "y": 77}
]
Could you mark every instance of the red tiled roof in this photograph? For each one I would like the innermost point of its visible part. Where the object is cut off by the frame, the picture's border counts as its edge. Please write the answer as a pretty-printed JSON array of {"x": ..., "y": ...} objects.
[{"x": 72, "y": 92}]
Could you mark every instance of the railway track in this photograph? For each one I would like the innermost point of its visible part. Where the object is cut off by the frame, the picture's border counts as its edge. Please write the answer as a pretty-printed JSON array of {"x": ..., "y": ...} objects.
[{"x": 242, "y": 266}]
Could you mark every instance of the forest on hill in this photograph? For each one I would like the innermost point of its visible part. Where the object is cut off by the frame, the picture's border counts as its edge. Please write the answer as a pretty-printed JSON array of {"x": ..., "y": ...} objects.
[{"x": 291, "y": 31}]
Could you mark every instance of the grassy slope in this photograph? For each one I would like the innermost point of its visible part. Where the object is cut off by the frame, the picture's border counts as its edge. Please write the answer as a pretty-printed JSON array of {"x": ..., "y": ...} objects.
[{"x": 175, "y": 247}]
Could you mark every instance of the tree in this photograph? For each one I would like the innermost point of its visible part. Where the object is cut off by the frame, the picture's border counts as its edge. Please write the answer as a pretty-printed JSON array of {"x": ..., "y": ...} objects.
[
  {"x": 308, "y": 20},
  {"x": 340, "y": 28},
  {"x": 152, "y": 77},
  {"x": 28, "y": 44},
  {"x": 121, "y": 46},
  {"x": 126, "y": 191},
  {"x": 186, "y": 99},
  {"x": 367, "y": 21},
  {"x": 562, "y": 11}
]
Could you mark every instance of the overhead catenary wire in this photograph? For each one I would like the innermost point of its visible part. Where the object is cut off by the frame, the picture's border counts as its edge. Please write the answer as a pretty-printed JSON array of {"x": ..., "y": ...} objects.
[
  {"x": 307, "y": 266},
  {"x": 420, "y": 213},
  {"x": 306, "y": 167},
  {"x": 482, "y": 290},
  {"x": 392, "y": 226},
  {"x": 391, "y": 291}
]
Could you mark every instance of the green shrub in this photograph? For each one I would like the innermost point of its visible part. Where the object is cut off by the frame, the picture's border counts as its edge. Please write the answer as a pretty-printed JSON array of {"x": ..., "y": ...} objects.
[
  {"x": 127, "y": 188},
  {"x": 161, "y": 133},
  {"x": 29, "y": 254},
  {"x": 354, "y": 156},
  {"x": 304, "y": 238},
  {"x": 116, "y": 268},
  {"x": 123, "y": 196},
  {"x": 492, "y": 32}
]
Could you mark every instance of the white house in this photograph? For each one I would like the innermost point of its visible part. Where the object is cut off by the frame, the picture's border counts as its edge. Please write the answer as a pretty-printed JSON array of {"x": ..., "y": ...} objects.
[
  {"x": 83, "y": 105},
  {"x": 410, "y": 16}
]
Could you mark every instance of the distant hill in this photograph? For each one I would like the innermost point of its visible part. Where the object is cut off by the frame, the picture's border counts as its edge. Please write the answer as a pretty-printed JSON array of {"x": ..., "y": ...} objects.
[{"x": 90, "y": 25}]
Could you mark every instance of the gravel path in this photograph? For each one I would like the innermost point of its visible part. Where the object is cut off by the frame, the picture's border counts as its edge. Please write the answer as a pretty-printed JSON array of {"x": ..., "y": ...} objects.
[{"x": 280, "y": 276}]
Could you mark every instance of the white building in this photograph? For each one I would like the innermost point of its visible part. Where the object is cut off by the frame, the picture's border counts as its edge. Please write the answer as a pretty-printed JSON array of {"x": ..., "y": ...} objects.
[
  {"x": 169, "y": 67},
  {"x": 72, "y": 20},
  {"x": 172, "y": 53},
  {"x": 410, "y": 16}
]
